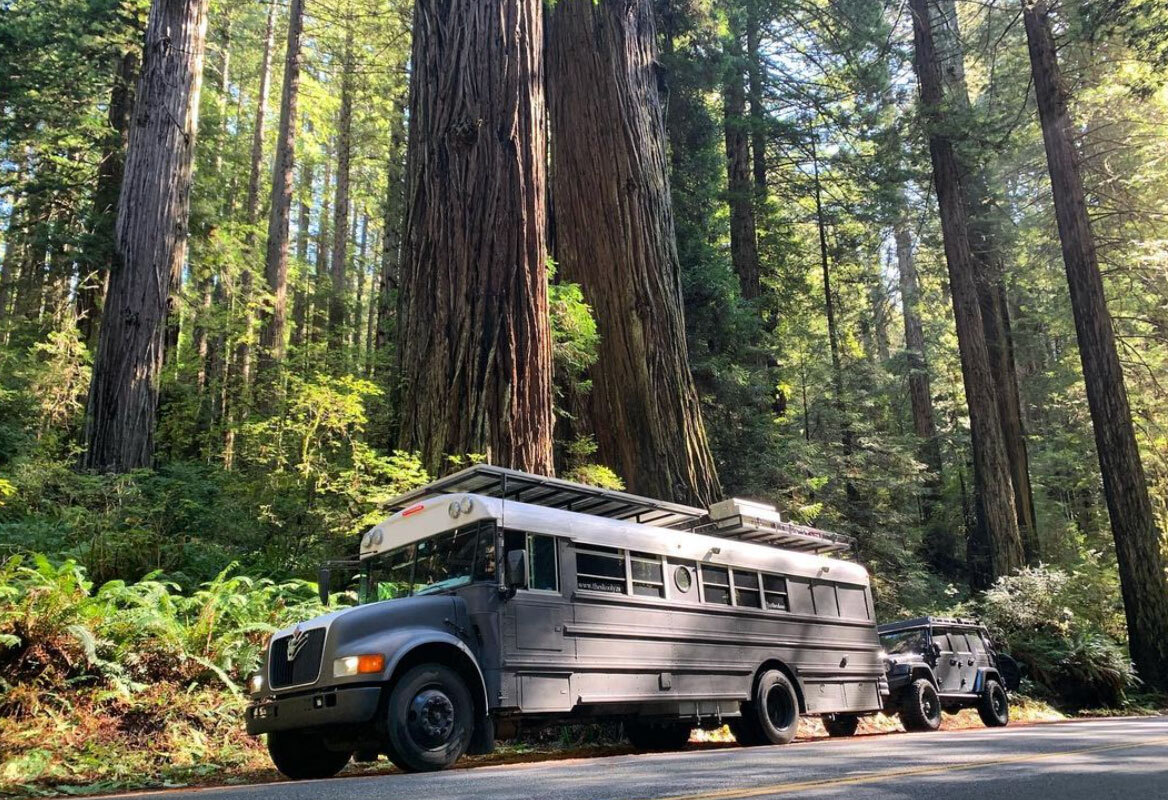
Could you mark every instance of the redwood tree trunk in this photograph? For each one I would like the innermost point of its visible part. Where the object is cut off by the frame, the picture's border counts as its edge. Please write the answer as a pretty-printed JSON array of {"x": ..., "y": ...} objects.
[
  {"x": 276, "y": 262},
  {"x": 474, "y": 340},
  {"x": 340, "y": 256},
  {"x": 986, "y": 234},
  {"x": 615, "y": 236},
  {"x": 998, "y": 550},
  {"x": 1133, "y": 525},
  {"x": 99, "y": 251},
  {"x": 740, "y": 189},
  {"x": 151, "y": 230}
]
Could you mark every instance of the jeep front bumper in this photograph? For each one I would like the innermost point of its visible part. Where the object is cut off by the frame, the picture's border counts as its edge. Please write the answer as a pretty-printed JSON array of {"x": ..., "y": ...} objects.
[{"x": 348, "y": 706}]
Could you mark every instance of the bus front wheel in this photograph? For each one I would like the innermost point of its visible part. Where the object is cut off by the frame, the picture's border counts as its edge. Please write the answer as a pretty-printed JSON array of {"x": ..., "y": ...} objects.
[
  {"x": 304, "y": 756},
  {"x": 430, "y": 719}
]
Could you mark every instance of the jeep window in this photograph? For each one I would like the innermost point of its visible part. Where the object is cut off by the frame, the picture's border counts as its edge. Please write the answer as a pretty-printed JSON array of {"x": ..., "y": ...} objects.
[
  {"x": 977, "y": 646},
  {"x": 904, "y": 642}
]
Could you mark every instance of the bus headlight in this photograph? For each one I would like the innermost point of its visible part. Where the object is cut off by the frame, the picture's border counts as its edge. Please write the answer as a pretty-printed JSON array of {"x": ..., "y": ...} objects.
[
  {"x": 367, "y": 664},
  {"x": 255, "y": 684}
]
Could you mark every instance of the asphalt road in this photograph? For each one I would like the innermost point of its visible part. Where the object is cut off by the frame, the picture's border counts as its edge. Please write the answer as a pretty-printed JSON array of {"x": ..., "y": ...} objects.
[{"x": 1094, "y": 760}]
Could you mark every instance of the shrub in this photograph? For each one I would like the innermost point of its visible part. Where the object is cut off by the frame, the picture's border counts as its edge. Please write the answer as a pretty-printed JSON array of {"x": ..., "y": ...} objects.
[{"x": 1056, "y": 625}]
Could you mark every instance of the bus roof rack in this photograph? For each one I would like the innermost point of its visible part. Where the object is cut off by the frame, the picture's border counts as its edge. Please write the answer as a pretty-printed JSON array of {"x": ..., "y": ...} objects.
[
  {"x": 750, "y": 521},
  {"x": 743, "y": 520},
  {"x": 510, "y": 484}
]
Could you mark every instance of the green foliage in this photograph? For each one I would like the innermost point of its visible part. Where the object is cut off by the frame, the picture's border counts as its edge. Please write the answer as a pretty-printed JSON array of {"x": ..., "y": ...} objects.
[{"x": 1054, "y": 623}]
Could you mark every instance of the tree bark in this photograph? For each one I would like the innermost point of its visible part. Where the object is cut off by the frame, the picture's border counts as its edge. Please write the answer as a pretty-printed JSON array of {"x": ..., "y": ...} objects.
[
  {"x": 615, "y": 236},
  {"x": 986, "y": 232},
  {"x": 740, "y": 189},
  {"x": 151, "y": 231},
  {"x": 279, "y": 219},
  {"x": 301, "y": 297},
  {"x": 99, "y": 254},
  {"x": 340, "y": 255},
  {"x": 998, "y": 550},
  {"x": 474, "y": 338},
  {"x": 758, "y": 118},
  {"x": 1133, "y": 525}
]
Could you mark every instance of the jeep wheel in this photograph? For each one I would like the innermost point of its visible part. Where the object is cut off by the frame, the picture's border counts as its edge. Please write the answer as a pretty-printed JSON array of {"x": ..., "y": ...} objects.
[
  {"x": 920, "y": 708},
  {"x": 649, "y": 736},
  {"x": 841, "y": 724},
  {"x": 994, "y": 706},
  {"x": 430, "y": 719},
  {"x": 772, "y": 717},
  {"x": 302, "y": 756}
]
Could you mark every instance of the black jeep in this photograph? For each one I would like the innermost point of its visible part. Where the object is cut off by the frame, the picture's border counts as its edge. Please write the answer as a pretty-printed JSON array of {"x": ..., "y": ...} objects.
[{"x": 940, "y": 664}]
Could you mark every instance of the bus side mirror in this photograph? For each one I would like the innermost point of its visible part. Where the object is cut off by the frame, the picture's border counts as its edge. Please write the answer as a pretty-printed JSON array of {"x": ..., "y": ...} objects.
[
  {"x": 517, "y": 569},
  {"x": 323, "y": 580}
]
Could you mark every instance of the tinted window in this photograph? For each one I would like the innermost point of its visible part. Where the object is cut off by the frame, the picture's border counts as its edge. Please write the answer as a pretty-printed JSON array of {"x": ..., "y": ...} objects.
[
  {"x": 648, "y": 575},
  {"x": 600, "y": 570},
  {"x": 485, "y": 559},
  {"x": 825, "y": 601},
  {"x": 541, "y": 563},
  {"x": 853, "y": 602},
  {"x": 960, "y": 644},
  {"x": 746, "y": 591},
  {"x": 904, "y": 642},
  {"x": 446, "y": 561},
  {"x": 716, "y": 585},
  {"x": 775, "y": 593}
]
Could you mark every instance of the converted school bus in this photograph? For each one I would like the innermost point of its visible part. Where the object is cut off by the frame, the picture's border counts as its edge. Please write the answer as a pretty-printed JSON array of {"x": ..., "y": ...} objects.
[{"x": 494, "y": 598}]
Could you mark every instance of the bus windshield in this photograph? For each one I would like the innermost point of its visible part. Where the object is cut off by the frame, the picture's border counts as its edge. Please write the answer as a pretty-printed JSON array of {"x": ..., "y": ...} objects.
[{"x": 441, "y": 563}]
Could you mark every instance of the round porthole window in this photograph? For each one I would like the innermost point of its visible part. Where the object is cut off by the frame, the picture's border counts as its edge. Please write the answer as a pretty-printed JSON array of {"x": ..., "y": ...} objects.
[{"x": 683, "y": 579}]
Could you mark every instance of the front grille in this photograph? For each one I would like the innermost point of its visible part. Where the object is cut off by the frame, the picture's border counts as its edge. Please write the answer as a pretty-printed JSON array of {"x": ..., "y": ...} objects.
[{"x": 304, "y": 669}]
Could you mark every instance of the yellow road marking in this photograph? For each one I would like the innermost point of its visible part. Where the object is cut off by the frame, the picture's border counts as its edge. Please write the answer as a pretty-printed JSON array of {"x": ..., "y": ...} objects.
[{"x": 873, "y": 777}]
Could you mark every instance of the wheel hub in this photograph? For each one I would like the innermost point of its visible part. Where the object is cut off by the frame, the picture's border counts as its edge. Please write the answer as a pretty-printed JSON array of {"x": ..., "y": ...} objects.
[{"x": 431, "y": 717}]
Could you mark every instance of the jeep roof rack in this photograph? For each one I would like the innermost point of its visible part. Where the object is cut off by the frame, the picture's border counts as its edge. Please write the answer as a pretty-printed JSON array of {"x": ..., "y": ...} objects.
[{"x": 921, "y": 622}]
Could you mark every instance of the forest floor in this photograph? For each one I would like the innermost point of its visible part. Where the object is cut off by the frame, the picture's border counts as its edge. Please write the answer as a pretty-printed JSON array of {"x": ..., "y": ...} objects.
[{"x": 100, "y": 743}]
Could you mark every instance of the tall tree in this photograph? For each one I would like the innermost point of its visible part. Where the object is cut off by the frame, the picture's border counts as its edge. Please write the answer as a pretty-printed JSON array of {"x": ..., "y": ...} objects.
[
  {"x": 279, "y": 219},
  {"x": 997, "y": 547},
  {"x": 474, "y": 338},
  {"x": 151, "y": 231},
  {"x": 615, "y": 236},
  {"x": 1133, "y": 524},
  {"x": 740, "y": 188},
  {"x": 987, "y": 226},
  {"x": 340, "y": 253}
]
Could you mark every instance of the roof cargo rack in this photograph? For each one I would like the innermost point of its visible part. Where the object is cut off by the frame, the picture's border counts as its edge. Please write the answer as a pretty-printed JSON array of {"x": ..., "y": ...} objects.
[
  {"x": 750, "y": 521},
  {"x": 744, "y": 520},
  {"x": 539, "y": 490}
]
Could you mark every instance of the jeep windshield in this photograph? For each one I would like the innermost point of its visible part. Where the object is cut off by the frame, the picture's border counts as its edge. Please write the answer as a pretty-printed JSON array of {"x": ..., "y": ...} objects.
[
  {"x": 438, "y": 564},
  {"x": 905, "y": 642}
]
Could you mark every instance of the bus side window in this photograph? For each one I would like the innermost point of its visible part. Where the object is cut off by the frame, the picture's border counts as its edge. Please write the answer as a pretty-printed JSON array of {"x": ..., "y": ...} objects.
[
  {"x": 716, "y": 585},
  {"x": 826, "y": 604},
  {"x": 853, "y": 603},
  {"x": 514, "y": 540},
  {"x": 541, "y": 560}
]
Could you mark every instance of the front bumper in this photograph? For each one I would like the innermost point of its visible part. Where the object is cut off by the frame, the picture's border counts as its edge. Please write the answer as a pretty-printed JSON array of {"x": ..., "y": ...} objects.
[{"x": 349, "y": 706}]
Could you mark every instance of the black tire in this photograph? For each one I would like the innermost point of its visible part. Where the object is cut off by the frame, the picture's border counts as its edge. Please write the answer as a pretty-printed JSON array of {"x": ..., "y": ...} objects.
[
  {"x": 920, "y": 707},
  {"x": 841, "y": 725},
  {"x": 994, "y": 706},
  {"x": 430, "y": 719},
  {"x": 772, "y": 717},
  {"x": 649, "y": 736},
  {"x": 303, "y": 756}
]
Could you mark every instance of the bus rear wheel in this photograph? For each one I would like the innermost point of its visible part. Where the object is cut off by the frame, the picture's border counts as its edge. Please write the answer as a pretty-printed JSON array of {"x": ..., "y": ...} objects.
[
  {"x": 430, "y": 719},
  {"x": 772, "y": 716},
  {"x": 303, "y": 756},
  {"x": 657, "y": 736},
  {"x": 840, "y": 725}
]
